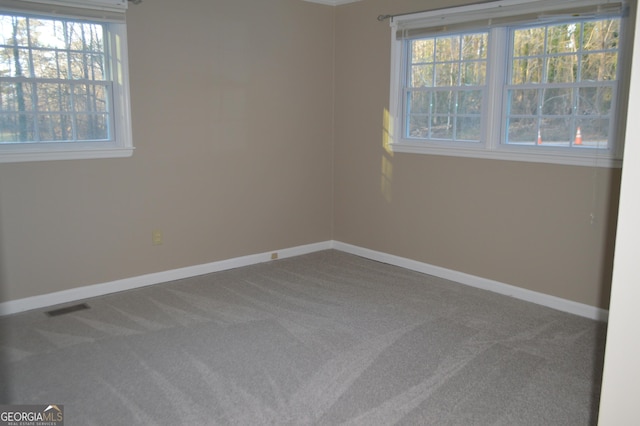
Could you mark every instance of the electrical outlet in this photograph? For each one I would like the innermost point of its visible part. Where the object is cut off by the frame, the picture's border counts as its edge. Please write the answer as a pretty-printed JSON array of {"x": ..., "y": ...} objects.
[
  {"x": 156, "y": 237},
  {"x": 274, "y": 256}
]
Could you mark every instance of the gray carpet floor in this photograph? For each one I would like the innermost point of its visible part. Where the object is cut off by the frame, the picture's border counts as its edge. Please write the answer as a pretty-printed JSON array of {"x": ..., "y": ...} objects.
[{"x": 326, "y": 338}]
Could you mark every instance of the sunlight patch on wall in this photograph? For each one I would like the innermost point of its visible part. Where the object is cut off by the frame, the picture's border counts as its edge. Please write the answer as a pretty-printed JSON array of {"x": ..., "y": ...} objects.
[{"x": 387, "y": 155}]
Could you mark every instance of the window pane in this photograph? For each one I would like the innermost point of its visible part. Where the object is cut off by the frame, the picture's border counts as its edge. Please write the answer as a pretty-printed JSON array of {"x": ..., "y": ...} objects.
[
  {"x": 6, "y": 62},
  {"x": 447, "y": 74},
  {"x": 595, "y": 100},
  {"x": 79, "y": 66},
  {"x": 474, "y": 74},
  {"x": 61, "y": 66},
  {"x": 469, "y": 102},
  {"x": 562, "y": 69},
  {"x": 602, "y": 34},
  {"x": 44, "y": 64},
  {"x": 557, "y": 101},
  {"x": 54, "y": 97},
  {"x": 419, "y": 102},
  {"x": 16, "y": 127},
  {"x": 50, "y": 64},
  {"x": 15, "y": 62},
  {"x": 444, "y": 103},
  {"x": 599, "y": 66},
  {"x": 563, "y": 38},
  {"x": 418, "y": 126},
  {"x": 13, "y": 31},
  {"x": 92, "y": 127},
  {"x": 522, "y": 131},
  {"x": 474, "y": 46},
  {"x": 16, "y": 96},
  {"x": 529, "y": 42},
  {"x": 468, "y": 128},
  {"x": 442, "y": 128},
  {"x": 9, "y": 100},
  {"x": 55, "y": 127},
  {"x": 422, "y": 75},
  {"x": 524, "y": 101},
  {"x": 90, "y": 97},
  {"x": 84, "y": 36},
  {"x": 6, "y": 30},
  {"x": 85, "y": 66},
  {"x": 594, "y": 133},
  {"x": 422, "y": 50},
  {"x": 48, "y": 34},
  {"x": 527, "y": 71},
  {"x": 556, "y": 131},
  {"x": 420, "y": 106},
  {"x": 447, "y": 49},
  {"x": 96, "y": 67}
]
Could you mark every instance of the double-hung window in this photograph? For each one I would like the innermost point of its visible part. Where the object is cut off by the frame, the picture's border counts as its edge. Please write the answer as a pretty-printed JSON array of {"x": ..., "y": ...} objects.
[
  {"x": 540, "y": 81},
  {"x": 63, "y": 80}
]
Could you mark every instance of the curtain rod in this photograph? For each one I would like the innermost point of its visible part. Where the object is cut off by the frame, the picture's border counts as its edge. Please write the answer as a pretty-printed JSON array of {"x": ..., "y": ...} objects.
[{"x": 385, "y": 17}]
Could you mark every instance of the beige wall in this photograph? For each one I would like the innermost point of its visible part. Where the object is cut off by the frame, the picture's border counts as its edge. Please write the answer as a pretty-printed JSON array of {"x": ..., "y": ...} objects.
[
  {"x": 237, "y": 153},
  {"x": 232, "y": 123},
  {"x": 519, "y": 223}
]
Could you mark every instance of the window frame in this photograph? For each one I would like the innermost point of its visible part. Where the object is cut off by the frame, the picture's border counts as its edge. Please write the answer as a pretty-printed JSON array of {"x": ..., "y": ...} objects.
[
  {"x": 493, "y": 124},
  {"x": 120, "y": 144}
]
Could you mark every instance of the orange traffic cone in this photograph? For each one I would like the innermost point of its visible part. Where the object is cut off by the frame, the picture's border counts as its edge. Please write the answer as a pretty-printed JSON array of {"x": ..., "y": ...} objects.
[
  {"x": 578, "y": 140},
  {"x": 539, "y": 138}
]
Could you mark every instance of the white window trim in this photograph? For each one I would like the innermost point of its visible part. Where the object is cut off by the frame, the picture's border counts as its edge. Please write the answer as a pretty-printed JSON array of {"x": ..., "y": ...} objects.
[
  {"x": 491, "y": 146},
  {"x": 122, "y": 144}
]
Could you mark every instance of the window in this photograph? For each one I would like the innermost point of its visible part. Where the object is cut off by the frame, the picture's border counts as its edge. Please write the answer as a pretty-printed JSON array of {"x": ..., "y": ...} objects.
[
  {"x": 518, "y": 80},
  {"x": 63, "y": 81}
]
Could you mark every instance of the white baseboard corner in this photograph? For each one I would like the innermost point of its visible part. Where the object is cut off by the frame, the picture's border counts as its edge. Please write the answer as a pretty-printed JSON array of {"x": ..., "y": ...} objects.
[
  {"x": 549, "y": 301},
  {"x": 76, "y": 294}
]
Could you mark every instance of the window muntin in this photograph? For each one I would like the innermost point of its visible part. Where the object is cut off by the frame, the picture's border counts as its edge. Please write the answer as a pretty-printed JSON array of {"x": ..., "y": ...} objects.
[
  {"x": 54, "y": 81},
  {"x": 562, "y": 82},
  {"x": 445, "y": 85}
]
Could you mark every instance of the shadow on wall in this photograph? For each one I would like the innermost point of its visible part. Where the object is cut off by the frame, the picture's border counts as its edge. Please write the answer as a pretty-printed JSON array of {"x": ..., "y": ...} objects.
[
  {"x": 611, "y": 219},
  {"x": 4, "y": 389}
]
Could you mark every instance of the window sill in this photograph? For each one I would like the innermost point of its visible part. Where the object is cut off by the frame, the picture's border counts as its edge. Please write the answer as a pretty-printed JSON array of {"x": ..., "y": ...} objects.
[
  {"x": 531, "y": 157},
  {"x": 13, "y": 154}
]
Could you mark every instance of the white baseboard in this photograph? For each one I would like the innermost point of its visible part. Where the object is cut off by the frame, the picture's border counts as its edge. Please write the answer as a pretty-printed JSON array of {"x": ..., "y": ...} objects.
[
  {"x": 549, "y": 301},
  {"x": 86, "y": 292},
  {"x": 67, "y": 296}
]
